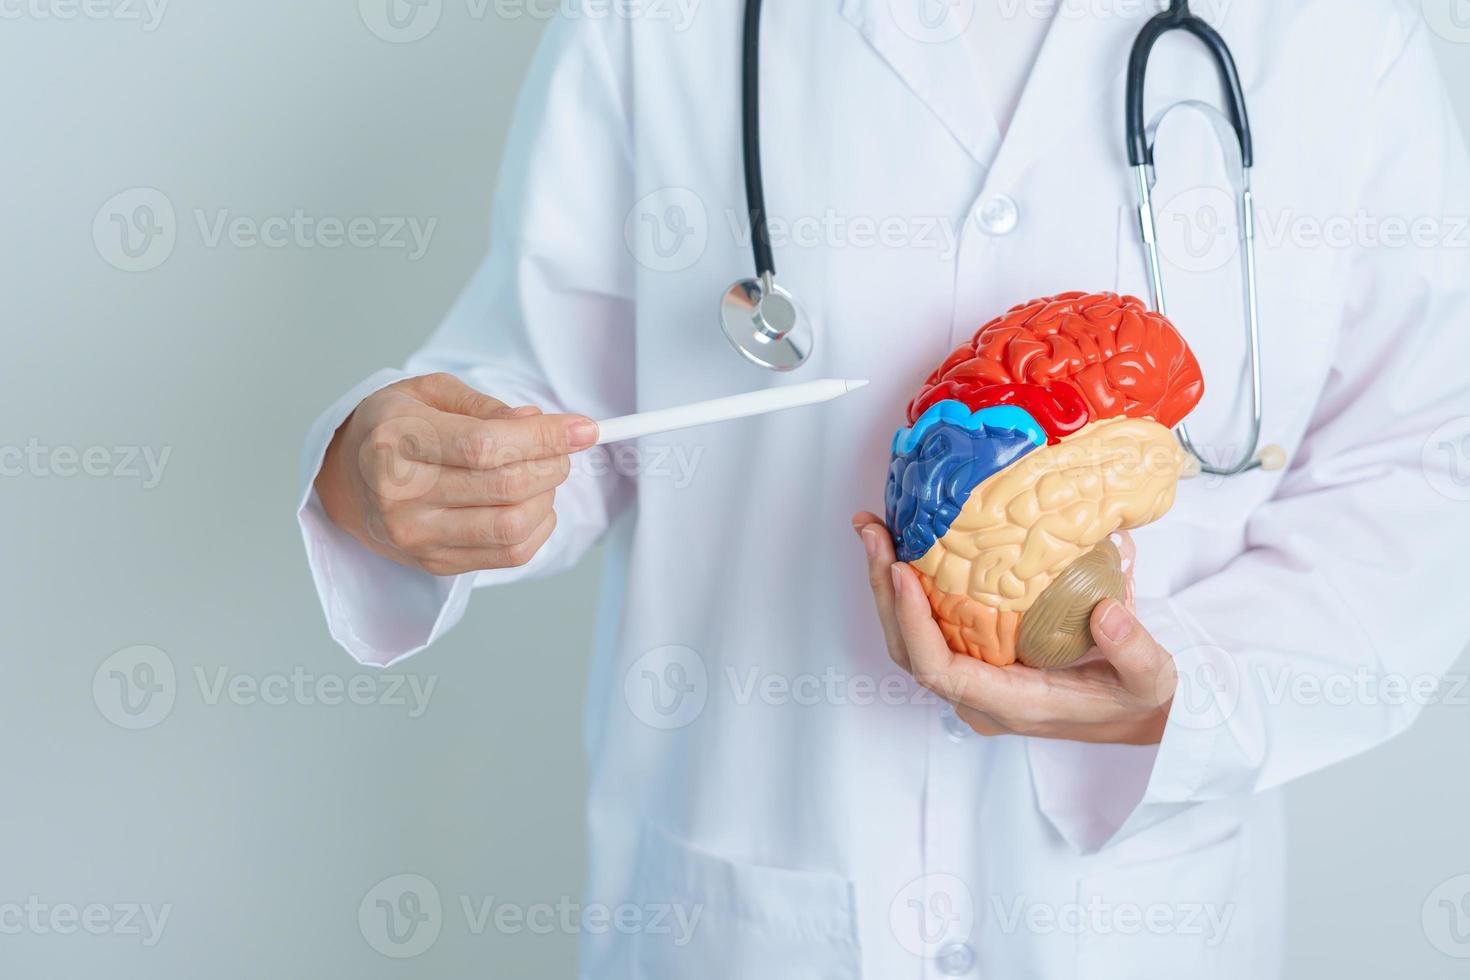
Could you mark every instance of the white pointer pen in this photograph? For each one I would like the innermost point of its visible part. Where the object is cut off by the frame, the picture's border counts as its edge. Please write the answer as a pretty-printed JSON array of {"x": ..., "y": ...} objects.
[{"x": 724, "y": 409}]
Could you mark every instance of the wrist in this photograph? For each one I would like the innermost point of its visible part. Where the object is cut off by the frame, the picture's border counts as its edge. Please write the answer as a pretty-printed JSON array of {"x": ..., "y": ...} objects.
[{"x": 332, "y": 484}]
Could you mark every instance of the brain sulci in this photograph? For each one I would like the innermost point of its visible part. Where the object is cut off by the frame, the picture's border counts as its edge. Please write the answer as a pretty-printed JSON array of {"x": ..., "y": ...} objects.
[{"x": 1029, "y": 445}]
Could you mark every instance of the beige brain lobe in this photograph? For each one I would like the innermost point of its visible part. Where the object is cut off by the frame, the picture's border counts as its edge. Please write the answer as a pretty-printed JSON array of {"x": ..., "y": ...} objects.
[{"x": 1022, "y": 527}]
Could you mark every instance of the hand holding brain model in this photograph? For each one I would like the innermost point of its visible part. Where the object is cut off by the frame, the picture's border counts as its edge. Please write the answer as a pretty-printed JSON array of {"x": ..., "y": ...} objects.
[{"x": 1024, "y": 451}]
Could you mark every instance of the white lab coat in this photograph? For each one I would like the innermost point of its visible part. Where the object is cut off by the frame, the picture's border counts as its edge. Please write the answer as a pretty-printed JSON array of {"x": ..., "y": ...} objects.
[{"x": 753, "y": 754}]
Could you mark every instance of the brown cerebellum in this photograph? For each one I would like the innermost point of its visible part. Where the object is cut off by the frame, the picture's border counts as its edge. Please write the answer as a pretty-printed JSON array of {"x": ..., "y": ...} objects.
[{"x": 1056, "y": 631}]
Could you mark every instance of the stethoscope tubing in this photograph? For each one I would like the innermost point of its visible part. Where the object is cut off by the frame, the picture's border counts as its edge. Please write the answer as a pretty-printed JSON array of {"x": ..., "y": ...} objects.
[
  {"x": 1179, "y": 17},
  {"x": 750, "y": 122},
  {"x": 1141, "y": 161}
]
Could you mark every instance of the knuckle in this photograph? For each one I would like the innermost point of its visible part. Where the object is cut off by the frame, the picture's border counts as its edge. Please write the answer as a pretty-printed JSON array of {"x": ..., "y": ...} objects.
[
  {"x": 948, "y": 688},
  {"x": 405, "y": 535},
  {"x": 444, "y": 566},
  {"x": 513, "y": 526},
  {"x": 550, "y": 436},
  {"x": 477, "y": 448},
  {"x": 388, "y": 505},
  {"x": 519, "y": 554},
  {"x": 392, "y": 481},
  {"x": 548, "y": 471},
  {"x": 931, "y": 682},
  {"x": 377, "y": 449},
  {"x": 428, "y": 388},
  {"x": 512, "y": 483},
  {"x": 407, "y": 390}
]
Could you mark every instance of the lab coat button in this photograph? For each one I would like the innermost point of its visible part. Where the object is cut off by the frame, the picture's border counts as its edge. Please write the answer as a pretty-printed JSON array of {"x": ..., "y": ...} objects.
[
  {"x": 998, "y": 214},
  {"x": 956, "y": 729},
  {"x": 955, "y": 960}
]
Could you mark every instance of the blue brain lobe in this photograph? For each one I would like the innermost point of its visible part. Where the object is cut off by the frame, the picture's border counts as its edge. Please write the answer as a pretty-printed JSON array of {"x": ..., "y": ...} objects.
[{"x": 928, "y": 484}]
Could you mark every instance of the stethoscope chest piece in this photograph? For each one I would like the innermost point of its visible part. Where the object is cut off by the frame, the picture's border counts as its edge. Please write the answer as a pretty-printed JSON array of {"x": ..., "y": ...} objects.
[{"x": 765, "y": 324}]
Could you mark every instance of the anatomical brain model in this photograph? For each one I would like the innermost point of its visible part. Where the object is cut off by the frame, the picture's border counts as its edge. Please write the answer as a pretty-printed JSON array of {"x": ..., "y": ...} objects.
[{"x": 1026, "y": 449}]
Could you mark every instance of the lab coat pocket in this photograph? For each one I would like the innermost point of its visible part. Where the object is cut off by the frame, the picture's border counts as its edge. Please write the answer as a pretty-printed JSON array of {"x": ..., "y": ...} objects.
[
  {"x": 741, "y": 922},
  {"x": 1168, "y": 915}
]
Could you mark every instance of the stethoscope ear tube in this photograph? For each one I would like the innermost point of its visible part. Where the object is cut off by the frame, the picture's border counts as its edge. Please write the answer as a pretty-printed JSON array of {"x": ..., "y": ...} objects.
[
  {"x": 1178, "y": 17},
  {"x": 750, "y": 121}
]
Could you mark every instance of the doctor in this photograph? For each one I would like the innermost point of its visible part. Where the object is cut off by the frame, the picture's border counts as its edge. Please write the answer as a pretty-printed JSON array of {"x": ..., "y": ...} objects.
[{"x": 761, "y": 755}]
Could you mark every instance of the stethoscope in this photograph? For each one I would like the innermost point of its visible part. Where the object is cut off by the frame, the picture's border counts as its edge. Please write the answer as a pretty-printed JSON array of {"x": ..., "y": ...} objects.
[
  {"x": 768, "y": 327},
  {"x": 764, "y": 322},
  {"x": 1141, "y": 159}
]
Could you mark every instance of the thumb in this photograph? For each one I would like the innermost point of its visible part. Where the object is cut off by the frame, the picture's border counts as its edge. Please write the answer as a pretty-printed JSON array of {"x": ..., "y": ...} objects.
[
  {"x": 1145, "y": 668},
  {"x": 447, "y": 393}
]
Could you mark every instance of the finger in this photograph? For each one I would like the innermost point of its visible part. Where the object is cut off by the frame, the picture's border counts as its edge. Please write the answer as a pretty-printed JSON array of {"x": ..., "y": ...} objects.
[
  {"x": 481, "y": 528},
  {"x": 447, "y": 393},
  {"x": 983, "y": 723},
  {"x": 955, "y": 677},
  {"x": 930, "y": 658},
  {"x": 503, "y": 485},
  {"x": 457, "y": 561},
  {"x": 879, "y": 548},
  {"x": 1128, "y": 552},
  {"x": 478, "y": 444},
  {"x": 1139, "y": 660}
]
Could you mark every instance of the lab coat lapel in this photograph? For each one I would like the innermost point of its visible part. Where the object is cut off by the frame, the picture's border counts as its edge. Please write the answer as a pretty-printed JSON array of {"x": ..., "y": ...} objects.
[
  {"x": 1075, "y": 87},
  {"x": 923, "y": 42}
]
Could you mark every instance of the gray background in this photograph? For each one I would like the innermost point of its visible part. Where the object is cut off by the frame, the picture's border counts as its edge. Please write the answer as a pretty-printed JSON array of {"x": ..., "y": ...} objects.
[{"x": 263, "y": 825}]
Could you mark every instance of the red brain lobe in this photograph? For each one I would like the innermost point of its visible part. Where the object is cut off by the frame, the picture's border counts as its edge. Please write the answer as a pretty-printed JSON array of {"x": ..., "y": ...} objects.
[{"x": 1122, "y": 358}]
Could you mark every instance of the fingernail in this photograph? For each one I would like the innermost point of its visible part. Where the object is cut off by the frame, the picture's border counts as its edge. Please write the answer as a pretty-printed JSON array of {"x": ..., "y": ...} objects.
[
  {"x": 897, "y": 577},
  {"x": 525, "y": 412},
  {"x": 582, "y": 434},
  {"x": 1116, "y": 623},
  {"x": 870, "y": 542}
]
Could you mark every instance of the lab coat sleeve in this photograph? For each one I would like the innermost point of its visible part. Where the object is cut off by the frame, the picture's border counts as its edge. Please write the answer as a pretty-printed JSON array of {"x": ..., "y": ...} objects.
[
  {"x": 1326, "y": 635},
  {"x": 546, "y": 321}
]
